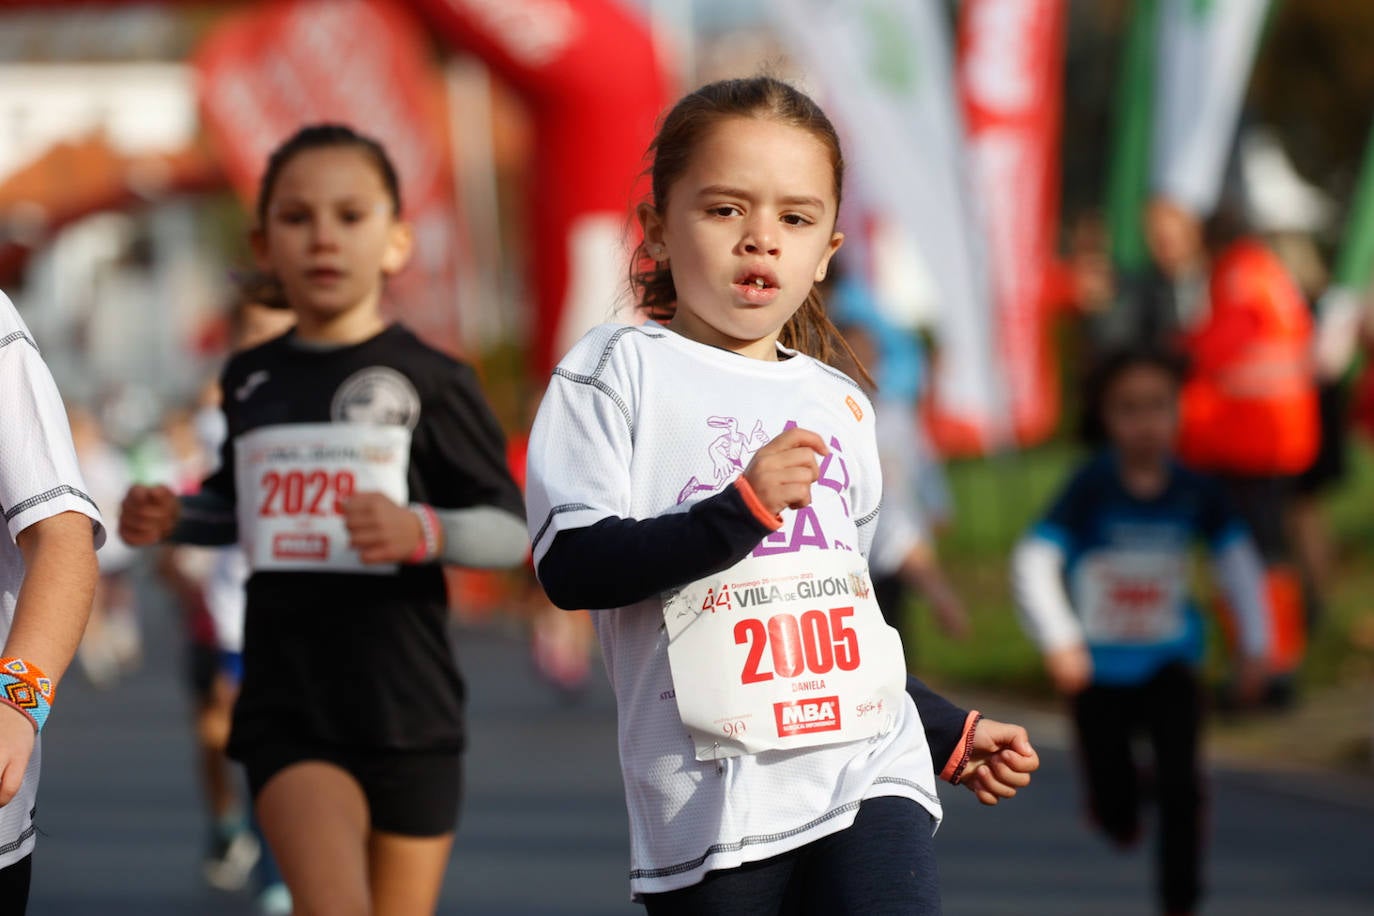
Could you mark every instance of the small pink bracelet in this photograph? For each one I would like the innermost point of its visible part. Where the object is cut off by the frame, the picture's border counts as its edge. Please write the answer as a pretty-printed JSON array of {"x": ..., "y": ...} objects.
[{"x": 428, "y": 548}]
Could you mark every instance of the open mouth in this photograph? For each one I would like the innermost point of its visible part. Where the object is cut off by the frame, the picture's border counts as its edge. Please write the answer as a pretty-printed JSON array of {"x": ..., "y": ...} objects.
[{"x": 757, "y": 287}]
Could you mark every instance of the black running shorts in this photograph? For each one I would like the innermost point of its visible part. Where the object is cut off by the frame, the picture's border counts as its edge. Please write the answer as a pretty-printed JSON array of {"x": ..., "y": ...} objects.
[{"x": 412, "y": 793}]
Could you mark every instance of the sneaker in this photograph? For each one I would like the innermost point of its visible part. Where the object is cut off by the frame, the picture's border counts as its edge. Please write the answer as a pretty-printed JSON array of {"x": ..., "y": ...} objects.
[{"x": 231, "y": 861}]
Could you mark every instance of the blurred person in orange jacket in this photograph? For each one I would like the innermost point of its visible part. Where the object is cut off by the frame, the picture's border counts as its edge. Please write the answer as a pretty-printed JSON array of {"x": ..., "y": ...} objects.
[{"x": 1249, "y": 407}]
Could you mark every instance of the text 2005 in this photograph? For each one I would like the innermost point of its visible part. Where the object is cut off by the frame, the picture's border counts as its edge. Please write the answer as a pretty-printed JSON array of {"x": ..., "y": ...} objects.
[{"x": 814, "y": 644}]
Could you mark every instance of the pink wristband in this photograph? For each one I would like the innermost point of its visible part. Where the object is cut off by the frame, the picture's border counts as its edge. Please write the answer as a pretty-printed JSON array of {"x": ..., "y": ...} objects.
[{"x": 428, "y": 548}]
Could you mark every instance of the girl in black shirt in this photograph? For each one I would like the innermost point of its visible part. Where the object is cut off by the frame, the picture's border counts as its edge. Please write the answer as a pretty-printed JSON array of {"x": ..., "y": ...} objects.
[{"x": 358, "y": 460}]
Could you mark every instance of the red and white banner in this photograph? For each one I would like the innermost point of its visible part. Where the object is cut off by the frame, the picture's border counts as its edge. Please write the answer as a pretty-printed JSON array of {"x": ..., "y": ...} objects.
[
  {"x": 587, "y": 69},
  {"x": 1010, "y": 76},
  {"x": 365, "y": 63}
]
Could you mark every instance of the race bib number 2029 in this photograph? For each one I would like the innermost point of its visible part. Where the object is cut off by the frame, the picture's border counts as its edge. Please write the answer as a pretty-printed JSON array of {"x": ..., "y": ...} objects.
[
  {"x": 292, "y": 482},
  {"x": 782, "y": 652}
]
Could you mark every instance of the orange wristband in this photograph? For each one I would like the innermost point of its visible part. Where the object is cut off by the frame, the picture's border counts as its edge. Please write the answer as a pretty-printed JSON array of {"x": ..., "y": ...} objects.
[{"x": 756, "y": 506}]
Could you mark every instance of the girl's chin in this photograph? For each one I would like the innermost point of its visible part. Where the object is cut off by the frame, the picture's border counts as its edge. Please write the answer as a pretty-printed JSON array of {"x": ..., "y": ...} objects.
[{"x": 327, "y": 306}]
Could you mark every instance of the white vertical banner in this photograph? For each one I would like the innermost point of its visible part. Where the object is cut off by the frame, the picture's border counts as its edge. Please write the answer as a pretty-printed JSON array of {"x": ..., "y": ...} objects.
[
  {"x": 1205, "y": 52},
  {"x": 885, "y": 71}
]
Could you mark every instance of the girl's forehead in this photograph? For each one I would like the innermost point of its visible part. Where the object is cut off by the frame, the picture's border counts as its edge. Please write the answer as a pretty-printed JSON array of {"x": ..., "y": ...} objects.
[
  {"x": 762, "y": 149},
  {"x": 331, "y": 171},
  {"x": 1140, "y": 375}
]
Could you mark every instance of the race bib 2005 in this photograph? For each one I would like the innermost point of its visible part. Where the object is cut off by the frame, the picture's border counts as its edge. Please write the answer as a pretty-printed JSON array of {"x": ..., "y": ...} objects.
[
  {"x": 786, "y": 651},
  {"x": 1131, "y": 596},
  {"x": 293, "y": 480}
]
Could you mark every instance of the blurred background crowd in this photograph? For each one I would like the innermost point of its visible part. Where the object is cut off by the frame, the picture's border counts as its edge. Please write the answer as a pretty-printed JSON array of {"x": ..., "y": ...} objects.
[{"x": 1029, "y": 181}]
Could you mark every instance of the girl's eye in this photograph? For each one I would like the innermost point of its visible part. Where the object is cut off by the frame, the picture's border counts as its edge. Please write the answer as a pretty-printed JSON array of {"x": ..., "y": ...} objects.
[
  {"x": 294, "y": 217},
  {"x": 353, "y": 216},
  {"x": 724, "y": 210},
  {"x": 795, "y": 219}
]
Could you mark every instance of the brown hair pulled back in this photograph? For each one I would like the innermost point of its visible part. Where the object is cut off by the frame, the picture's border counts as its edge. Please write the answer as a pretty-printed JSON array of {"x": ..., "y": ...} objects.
[
  {"x": 809, "y": 330},
  {"x": 262, "y": 287}
]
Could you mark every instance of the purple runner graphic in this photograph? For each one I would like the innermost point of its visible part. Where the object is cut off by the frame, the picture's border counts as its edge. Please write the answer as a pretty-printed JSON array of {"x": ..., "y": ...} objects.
[{"x": 729, "y": 453}]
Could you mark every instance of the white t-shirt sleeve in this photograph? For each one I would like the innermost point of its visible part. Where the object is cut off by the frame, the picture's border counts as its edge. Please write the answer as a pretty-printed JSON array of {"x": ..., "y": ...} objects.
[
  {"x": 39, "y": 477},
  {"x": 579, "y": 453}
]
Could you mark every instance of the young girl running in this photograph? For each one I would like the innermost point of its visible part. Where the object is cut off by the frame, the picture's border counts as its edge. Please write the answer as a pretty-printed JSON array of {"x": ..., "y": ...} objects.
[
  {"x": 358, "y": 460},
  {"x": 1122, "y": 640},
  {"x": 713, "y": 488}
]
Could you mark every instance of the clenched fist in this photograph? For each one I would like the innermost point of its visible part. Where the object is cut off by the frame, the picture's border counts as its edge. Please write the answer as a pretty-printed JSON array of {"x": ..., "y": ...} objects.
[
  {"x": 148, "y": 514},
  {"x": 783, "y": 471},
  {"x": 380, "y": 530}
]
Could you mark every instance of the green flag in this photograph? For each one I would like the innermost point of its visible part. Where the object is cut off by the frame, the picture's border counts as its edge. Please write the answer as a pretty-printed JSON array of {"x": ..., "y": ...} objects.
[
  {"x": 1128, "y": 181},
  {"x": 1355, "y": 262}
]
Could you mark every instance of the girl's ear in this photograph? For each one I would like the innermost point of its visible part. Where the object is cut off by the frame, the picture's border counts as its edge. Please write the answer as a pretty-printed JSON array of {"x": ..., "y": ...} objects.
[
  {"x": 652, "y": 223},
  {"x": 836, "y": 240},
  {"x": 399, "y": 245}
]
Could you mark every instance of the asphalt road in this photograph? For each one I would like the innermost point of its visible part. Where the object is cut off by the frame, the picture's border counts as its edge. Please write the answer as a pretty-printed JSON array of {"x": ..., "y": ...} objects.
[{"x": 544, "y": 828}]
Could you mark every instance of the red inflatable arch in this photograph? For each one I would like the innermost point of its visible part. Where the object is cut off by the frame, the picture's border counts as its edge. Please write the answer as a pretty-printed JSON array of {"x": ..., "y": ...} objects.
[{"x": 589, "y": 73}]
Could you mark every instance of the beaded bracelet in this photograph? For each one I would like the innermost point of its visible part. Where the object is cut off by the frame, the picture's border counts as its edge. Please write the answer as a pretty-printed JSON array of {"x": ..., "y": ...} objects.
[
  {"x": 27, "y": 689},
  {"x": 428, "y": 548},
  {"x": 969, "y": 732}
]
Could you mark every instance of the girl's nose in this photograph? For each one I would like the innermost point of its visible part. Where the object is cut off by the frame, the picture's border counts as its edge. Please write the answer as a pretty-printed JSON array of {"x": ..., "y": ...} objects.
[
  {"x": 760, "y": 238},
  {"x": 323, "y": 234}
]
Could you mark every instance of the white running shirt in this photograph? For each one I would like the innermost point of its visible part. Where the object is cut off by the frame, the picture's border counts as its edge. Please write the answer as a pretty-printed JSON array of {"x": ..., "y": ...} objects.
[
  {"x": 39, "y": 478},
  {"x": 638, "y": 422}
]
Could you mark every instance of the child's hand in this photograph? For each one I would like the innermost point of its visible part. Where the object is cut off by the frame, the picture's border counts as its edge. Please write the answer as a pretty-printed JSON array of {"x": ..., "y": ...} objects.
[
  {"x": 147, "y": 515},
  {"x": 1001, "y": 762},
  {"x": 949, "y": 611},
  {"x": 1070, "y": 668},
  {"x": 783, "y": 471},
  {"x": 380, "y": 530}
]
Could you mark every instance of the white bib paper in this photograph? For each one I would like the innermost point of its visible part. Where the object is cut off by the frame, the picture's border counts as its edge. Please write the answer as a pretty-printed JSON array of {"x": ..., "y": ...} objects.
[
  {"x": 292, "y": 480},
  {"x": 1131, "y": 596},
  {"x": 785, "y": 651}
]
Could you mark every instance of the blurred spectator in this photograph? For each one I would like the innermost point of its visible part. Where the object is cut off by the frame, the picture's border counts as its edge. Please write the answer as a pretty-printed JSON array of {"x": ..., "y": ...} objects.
[
  {"x": 1249, "y": 406},
  {"x": 192, "y": 574},
  {"x": 112, "y": 646},
  {"x": 1309, "y": 530},
  {"x": 903, "y": 558}
]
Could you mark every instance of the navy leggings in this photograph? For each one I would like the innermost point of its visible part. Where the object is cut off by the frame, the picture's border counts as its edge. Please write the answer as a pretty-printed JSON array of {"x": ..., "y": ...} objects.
[
  {"x": 1169, "y": 709},
  {"x": 881, "y": 865},
  {"x": 14, "y": 886}
]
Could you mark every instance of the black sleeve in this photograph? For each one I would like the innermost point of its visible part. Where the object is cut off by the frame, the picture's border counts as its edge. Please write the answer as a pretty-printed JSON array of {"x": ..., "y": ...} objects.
[
  {"x": 942, "y": 720},
  {"x": 207, "y": 520},
  {"x": 619, "y": 561},
  {"x": 462, "y": 460},
  {"x": 221, "y": 485}
]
